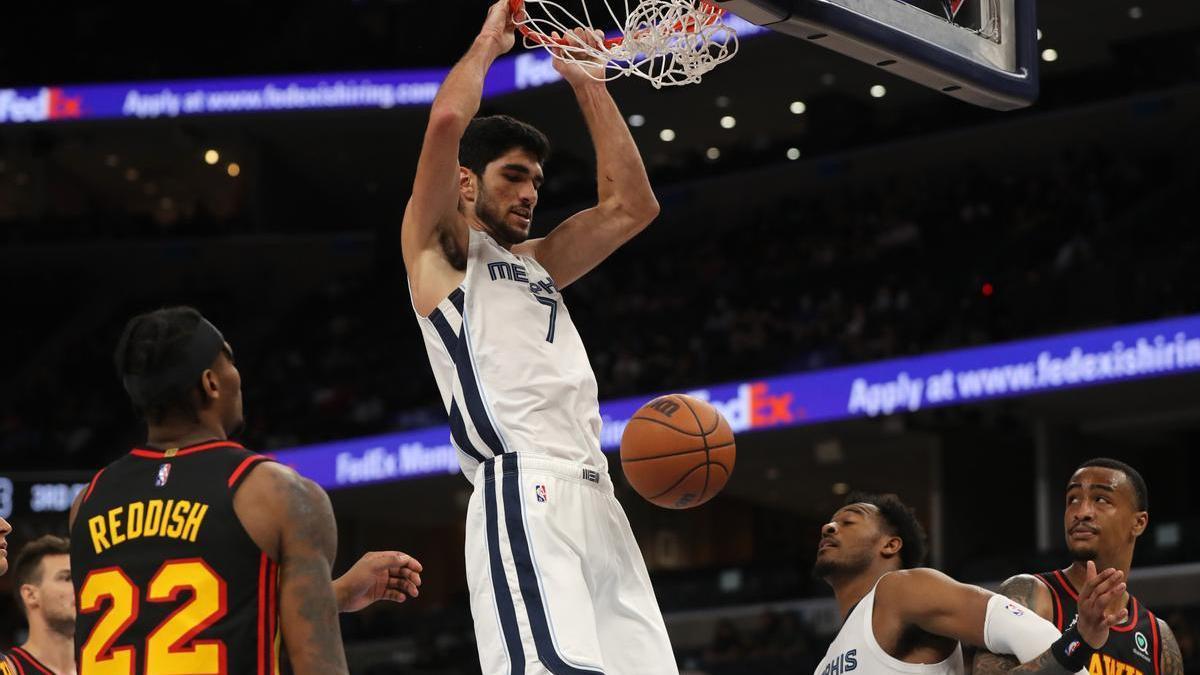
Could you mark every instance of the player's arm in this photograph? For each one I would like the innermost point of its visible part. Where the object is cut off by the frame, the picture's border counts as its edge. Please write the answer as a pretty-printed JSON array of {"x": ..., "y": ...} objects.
[
  {"x": 939, "y": 605},
  {"x": 1172, "y": 657},
  {"x": 378, "y": 575},
  {"x": 431, "y": 215},
  {"x": 1027, "y": 590},
  {"x": 291, "y": 520},
  {"x": 626, "y": 202}
]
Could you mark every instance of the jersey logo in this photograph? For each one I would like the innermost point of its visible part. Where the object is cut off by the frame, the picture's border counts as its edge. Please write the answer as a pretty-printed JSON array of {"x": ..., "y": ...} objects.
[
  {"x": 164, "y": 474},
  {"x": 1014, "y": 609},
  {"x": 539, "y": 491},
  {"x": 1141, "y": 646}
]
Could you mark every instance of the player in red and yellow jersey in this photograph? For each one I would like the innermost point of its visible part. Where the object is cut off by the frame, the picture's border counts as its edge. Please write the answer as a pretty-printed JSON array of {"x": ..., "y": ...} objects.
[{"x": 191, "y": 554}]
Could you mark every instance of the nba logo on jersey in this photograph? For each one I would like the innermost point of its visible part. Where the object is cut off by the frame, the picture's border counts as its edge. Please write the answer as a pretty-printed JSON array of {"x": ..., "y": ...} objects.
[
  {"x": 164, "y": 472},
  {"x": 540, "y": 491}
]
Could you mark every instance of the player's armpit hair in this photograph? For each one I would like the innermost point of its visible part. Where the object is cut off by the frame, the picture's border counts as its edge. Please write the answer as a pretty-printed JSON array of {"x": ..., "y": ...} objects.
[
  {"x": 307, "y": 548},
  {"x": 1172, "y": 657}
]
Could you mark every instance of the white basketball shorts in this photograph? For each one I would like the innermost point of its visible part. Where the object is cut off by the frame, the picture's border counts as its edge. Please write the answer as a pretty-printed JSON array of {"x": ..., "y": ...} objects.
[{"x": 557, "y": 581}]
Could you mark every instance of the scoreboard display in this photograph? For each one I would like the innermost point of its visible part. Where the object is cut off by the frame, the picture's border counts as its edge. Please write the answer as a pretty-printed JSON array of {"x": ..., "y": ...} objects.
[{"x": 40, "y": 496}]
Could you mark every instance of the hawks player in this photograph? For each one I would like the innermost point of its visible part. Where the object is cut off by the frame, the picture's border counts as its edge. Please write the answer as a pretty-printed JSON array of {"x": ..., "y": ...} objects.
[
  {"x": 191, "y": 554},
  {"x": 1107, "y": 509}
]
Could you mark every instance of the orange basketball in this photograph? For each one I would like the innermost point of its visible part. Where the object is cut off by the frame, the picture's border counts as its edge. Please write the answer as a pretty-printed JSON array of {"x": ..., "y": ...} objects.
[{"x": 677, "y": 451}]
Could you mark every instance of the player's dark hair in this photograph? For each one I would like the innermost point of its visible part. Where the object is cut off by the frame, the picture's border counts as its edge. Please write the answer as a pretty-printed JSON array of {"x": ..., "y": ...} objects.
[
  {"x": 487, "y": 138},
  {"x": 153, "y": 343},
  {"x": 1140, "y": 492},
  {"x": 901, "y": 521},
  {"x": 28, "y": 567}
]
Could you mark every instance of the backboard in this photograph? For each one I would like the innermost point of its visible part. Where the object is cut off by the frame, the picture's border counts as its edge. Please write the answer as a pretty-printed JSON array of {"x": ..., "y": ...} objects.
[{"x": 981, "y": 51}]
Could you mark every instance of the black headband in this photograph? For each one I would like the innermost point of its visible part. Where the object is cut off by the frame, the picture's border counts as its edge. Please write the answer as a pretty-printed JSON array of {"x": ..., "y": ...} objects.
[{"x": 206, "y": 343}]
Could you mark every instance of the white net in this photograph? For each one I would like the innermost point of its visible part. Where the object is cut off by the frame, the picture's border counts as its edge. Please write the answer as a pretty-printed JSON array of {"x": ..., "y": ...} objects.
[{"x": 668, "y": 42}]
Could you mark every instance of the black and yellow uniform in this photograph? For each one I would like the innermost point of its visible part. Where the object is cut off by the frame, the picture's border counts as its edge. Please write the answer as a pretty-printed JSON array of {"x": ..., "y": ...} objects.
[
  {"x": 26, "y": 664},
  {"x": 1133, "y": 648},
  {"x": 166, "y": 578}
]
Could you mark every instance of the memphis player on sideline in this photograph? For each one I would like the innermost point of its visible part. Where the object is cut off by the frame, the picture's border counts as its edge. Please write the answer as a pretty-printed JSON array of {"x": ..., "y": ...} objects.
[
  {"x": 557, "y": 581},
  {"x": 191, "y": 554},
  {"x": 1107, "y": 509},
  {"x": 897, "y": 619}
]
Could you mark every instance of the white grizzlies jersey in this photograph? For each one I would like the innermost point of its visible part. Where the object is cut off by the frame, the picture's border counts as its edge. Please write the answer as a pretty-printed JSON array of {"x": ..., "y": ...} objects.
[
  {"x": 855, "y": 650},
  {"x": 511, "y": 368}
]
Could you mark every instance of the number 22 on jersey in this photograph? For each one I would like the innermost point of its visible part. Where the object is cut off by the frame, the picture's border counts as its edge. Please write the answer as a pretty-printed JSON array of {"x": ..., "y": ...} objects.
[{"x": 167, "y": 650}]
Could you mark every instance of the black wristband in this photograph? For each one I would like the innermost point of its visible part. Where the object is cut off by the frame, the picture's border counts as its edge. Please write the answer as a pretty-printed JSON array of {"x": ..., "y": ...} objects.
[{"x": 1071, "y": 651}]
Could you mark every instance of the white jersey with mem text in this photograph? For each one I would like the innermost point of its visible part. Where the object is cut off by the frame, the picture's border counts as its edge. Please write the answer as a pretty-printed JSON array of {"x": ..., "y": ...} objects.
[
  {"x": 511, "y": 368},
  {"x": 855, "y": 650}
]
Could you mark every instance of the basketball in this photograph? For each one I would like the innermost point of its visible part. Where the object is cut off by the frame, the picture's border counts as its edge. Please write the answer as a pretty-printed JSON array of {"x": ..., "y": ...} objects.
[{"x": 677, "y": 451}]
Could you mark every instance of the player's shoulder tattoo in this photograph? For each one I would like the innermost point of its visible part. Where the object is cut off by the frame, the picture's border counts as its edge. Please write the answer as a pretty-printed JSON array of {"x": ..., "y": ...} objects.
[
  {"x": 1023, "y": 588},
  {"x": 1172, "y": 657}
]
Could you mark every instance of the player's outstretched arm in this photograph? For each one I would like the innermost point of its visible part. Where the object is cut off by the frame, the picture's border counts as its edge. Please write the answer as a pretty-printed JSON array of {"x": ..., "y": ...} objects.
[
  {"x": 626, "y": 202},
  {"x": 1027, "y": 590},
  {"x": 432, "y": 209},
  {"x": 939, "y": 605},
  {"x": 291, "y": 520}
]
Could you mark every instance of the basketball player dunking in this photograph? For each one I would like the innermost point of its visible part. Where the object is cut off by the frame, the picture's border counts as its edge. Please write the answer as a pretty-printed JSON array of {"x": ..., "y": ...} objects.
[
  {"x": 1106, "y": 511},
  {"x": 556, "y": 578},
  {"x": 193, "y": 555},
  {"x": 897, "y": 619}
]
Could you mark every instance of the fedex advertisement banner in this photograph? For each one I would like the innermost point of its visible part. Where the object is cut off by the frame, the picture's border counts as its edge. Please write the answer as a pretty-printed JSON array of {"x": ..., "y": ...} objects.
[
  {"x": 383, "y": 90},
  {"x": 882, "y": 388}
]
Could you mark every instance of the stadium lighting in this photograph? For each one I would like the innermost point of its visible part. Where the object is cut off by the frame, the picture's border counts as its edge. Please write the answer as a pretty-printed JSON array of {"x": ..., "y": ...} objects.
[
  {"x": 211, "y": 157},
  {"x": 667, "y": 135},
  {"x": 878, "y": 91},
  {"x": 233, "y": 169},
  {"x": 636, "y": 120},
  {"x": 797, "y": 107},
  {"x": 793, "y": 154},
  {"x": 728, "y": 122},
  {"x": 1049, "y": 55},
  {"x": 713, "y": 153}
]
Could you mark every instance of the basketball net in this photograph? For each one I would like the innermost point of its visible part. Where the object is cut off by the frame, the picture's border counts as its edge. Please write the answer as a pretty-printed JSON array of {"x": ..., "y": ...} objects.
[{"x": 668, "y": 42}]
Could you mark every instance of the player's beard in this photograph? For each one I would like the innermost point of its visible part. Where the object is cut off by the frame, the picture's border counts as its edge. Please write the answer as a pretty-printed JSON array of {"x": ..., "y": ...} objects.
[
  {"x": 829, "y": 568},
  {"x": 491, "y": 215},
  {"x": 1084, "y": 554},
  {"x": 63, "y": 625}
]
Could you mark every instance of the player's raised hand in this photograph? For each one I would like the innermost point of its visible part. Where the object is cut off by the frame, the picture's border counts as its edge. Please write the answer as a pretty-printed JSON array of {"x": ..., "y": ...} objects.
[
  {"x": 379, "y": 575},
  {"x": 499, "y": 26},
  {"x": 583, "y": 67},
  {"x": 1095, "y": 598}
]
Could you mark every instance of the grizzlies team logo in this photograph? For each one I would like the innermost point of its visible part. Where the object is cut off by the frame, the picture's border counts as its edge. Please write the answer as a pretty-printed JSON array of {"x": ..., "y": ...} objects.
[
  {"x": 539, "y": 491},
  {"x": 164, "y": 473}
]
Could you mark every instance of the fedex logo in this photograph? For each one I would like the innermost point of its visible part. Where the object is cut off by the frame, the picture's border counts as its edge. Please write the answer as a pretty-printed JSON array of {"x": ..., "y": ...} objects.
[
  {"x": 755, "y": 407},
  {"x": 49, "y": 103}
]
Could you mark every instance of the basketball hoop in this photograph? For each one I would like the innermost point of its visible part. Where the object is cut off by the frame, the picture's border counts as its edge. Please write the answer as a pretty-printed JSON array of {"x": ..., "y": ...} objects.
[{"x": 668, "y": 42}]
